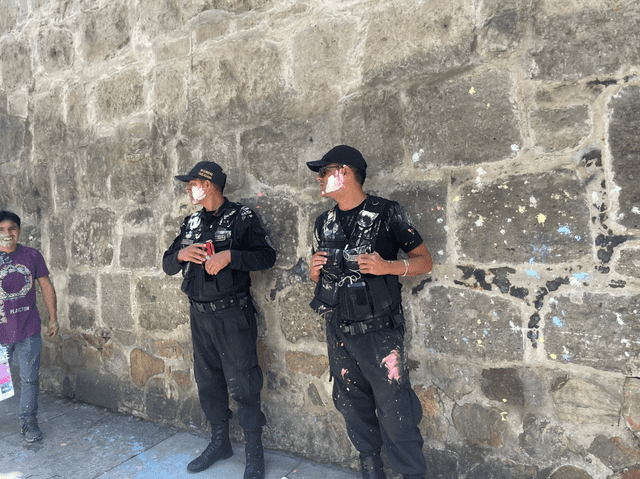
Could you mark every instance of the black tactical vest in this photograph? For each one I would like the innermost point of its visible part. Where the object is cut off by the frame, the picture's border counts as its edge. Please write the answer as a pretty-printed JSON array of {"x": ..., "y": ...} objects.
[
  {"x": 362, "y": 297},
  {"x": 197, "y": 283}
]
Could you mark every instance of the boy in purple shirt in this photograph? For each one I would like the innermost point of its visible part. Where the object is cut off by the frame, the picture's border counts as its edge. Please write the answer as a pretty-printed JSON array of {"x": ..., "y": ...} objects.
[{"x": 19, "y": 316}]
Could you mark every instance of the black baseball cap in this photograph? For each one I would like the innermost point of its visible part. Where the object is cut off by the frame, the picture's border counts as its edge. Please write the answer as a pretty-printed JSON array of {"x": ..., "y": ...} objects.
[
  {"x": 206, "y": 170},
  {"x": 342, "y": 154}
]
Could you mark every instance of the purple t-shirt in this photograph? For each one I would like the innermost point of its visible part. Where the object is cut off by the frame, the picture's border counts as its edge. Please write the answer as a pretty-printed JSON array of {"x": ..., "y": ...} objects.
[{"x": 19, "y": 316}]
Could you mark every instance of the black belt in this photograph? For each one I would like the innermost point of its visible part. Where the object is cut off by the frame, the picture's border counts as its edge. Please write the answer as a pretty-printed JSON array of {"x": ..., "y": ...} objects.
[
  {"x": 219, "y": 304},
  {"x": 362, "y": 327}
]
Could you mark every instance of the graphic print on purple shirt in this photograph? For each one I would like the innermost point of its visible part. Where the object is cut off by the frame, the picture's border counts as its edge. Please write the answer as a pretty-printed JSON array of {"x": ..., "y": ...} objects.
[{"x": 19, "y": 317}]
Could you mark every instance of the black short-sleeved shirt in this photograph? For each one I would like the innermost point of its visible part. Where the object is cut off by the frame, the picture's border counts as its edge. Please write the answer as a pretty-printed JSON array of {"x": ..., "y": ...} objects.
[{"x": 396, "y": 230}]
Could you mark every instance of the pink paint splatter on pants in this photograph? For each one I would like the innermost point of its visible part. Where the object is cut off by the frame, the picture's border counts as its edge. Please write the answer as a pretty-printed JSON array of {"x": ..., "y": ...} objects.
[
  {"x": 392, "y": 362},
  {"x": 343, "y": 372}
]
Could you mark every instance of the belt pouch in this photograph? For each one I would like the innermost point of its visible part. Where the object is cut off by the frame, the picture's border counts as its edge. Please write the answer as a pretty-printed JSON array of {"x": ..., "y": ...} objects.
[{"x": 359, "y": 304}]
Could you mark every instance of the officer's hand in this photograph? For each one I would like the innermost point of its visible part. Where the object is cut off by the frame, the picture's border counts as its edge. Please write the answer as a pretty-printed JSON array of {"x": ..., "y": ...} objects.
[
  {"x": 372, "y": 264},
  {"x": 318, "y": 260},
  {"x": 194, "y": 253},
  {"x": 217, "y": 262}
]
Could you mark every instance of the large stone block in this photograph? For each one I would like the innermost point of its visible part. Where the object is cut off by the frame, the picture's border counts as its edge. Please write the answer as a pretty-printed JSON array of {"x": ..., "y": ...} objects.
[
  {"x": 559, "y": 128},
  {"x": 98, "y": 389},
  {"x": 300, "y": 362},
  {"x": 374, "y": 123},
  {"x": 82, "y": 285},
  {"x": 58, "y": 229},
  {"x": 155, "y": 18},
  {"x": 279, "y": 217},
  {"x": 139, "y": 251},
  {"x": 92, "y": 238},
  {"x": 597, "y": 330},
  {"x": 55, "y": 48},
  {"x": 13, "y": 135},
  {"x": 161, "y": 304},
  {"x": 541, "y": 435},
  {"x": 588, "y": 38},
  {"x": 270, "y": 154},
  {"x": 441, "y": 37},
  {"x": 15, "y": 64},
  {"x": 479, "y": 426},
  {"x": 8, "y": 17},
  {"x": 425, "y": 203},
  {"x": 469, "y": 324},
  {"x": 614, "y": 453},
  {"x": 570, "y": 472},
  {"x": 624, "y": 142},
  {"x": 33, "y": 186},
  {"x": 120, "y": 95},
  {"x": 500, "y": 469},
  {"x": 319, "y": 57},
  {"x": 248, "y": 78},
  {"x": 584, "y": 403},
  {"x": 503, "y": 384},
  {"x": 629, "y": 263},
  {"x": 298, "y": 320},
  {"x": 212, "y": 29},
  {"x": 502, "y": 30},
  {"x": 81, "y": 316},
  {"x": 66, "y": 192},
  {"x": 140, "y": 165},
  {"x": 143, "y": 366},
  {"x": 540, "y": 218},
  {"x": 115, "y": 292},
  {"x": 76, "y": 113},
  {"x": 465, "y": 121},
  {"x": 96, "y": 162},
  {"x": 159, "y": 402},
  {"x": 170, "y": 93},
  {"x": 631, "y": 409},
  {"x": 104, "y": 31},
  {"x": 434, "y": 424}
]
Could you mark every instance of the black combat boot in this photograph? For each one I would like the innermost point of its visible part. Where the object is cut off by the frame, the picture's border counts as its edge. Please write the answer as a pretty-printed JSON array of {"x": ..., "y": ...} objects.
[
  {"x": 372, "y": 467},
  {"x": 219, "y": 448},
  {"x": 254, "y": 468}
]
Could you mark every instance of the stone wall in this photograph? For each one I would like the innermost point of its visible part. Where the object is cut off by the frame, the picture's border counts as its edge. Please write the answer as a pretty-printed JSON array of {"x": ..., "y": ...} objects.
[{"x": 508, "y": 129}]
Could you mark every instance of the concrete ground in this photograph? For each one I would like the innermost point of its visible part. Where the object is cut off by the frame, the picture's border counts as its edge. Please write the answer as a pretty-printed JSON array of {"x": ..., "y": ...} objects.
[{"x": 82, "y": 441}]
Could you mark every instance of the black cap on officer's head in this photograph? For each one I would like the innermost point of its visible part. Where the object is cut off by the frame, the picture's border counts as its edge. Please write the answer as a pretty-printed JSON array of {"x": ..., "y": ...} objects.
[
  {"x": 342, "y": 154},
  {"x": 206, "y": 170}
]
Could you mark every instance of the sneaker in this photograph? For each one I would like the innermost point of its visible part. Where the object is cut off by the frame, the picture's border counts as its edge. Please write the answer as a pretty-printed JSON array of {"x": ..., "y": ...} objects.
[{"x": 31, "y": 431}]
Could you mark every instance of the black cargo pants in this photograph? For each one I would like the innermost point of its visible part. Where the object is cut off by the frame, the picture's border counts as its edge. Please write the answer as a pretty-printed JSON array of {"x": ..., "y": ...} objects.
[
  {"x": 372, "y": 391},
  {"x": 226, "y": 361}
]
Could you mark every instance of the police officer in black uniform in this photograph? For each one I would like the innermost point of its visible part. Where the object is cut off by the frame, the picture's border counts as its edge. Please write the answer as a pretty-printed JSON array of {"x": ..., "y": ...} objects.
[
  {"x": 356, "y": 269},
  {"x": 216, "y": 249}
]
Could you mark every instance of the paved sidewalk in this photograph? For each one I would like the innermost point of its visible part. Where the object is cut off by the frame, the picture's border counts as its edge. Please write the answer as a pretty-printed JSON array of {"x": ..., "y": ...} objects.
[{"x": 82, "y": 441}]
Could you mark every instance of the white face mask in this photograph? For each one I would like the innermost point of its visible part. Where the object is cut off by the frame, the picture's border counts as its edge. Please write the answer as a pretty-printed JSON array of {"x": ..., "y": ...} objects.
[
  {"x": 197, "y": 194},
  {"x": 334, "y": 182}
]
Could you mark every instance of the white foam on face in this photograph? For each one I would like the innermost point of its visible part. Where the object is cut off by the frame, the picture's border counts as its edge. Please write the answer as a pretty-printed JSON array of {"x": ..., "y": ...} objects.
[
  {"x": 335, "y": 182},
  {"x": 6, "y": 241},
  {"x": 197, "y": 194}
]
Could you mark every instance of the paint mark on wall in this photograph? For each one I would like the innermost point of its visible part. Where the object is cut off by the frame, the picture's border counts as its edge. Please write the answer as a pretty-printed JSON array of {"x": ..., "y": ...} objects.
[
  {"x": 541, "y": 218},
  {"x": 564, "y": 230}
]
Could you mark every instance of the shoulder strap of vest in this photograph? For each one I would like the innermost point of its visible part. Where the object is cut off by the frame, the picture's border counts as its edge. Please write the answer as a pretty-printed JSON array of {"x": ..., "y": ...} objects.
[{"x": 375, "y": 204}]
